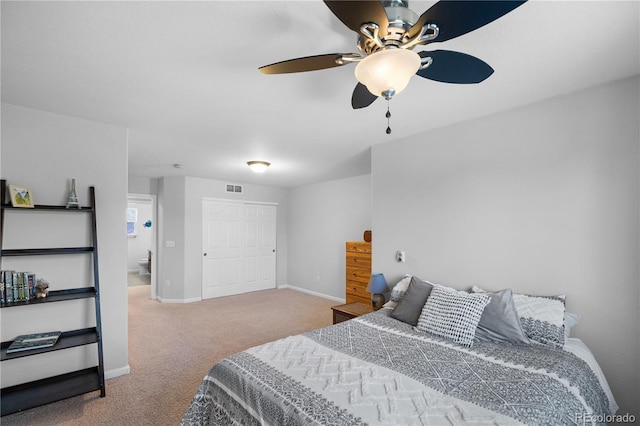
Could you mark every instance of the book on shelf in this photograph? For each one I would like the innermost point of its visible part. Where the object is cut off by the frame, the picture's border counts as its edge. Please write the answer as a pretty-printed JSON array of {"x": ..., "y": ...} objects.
[
  {"x": 18, "y": 286},
  {"x": 27, "y": 342}
]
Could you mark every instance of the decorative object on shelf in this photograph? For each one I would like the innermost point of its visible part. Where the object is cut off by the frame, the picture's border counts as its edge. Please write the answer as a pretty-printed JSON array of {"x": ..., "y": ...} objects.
[
  {"x": 27, "y": 342},
  {"x": 377, "y": 286},
  {"x": 42, "y": 288},
  {"x": 367, "y": 235},
  {"x": 21, "y": 196},
  {"x": 72, "y": 201},
  {"x": 258, "y": 166}
]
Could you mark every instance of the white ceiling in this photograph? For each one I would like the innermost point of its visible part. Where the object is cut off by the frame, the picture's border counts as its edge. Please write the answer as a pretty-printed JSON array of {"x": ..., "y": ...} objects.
[{"x": 183, "y": 77}]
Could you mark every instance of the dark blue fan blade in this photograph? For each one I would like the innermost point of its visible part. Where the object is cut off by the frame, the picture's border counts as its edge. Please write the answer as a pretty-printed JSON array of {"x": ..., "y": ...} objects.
[
  {"x": 362, "y": 97},
  {"x": 455, "y": 18},
  {"x": 454, "y": 67}
]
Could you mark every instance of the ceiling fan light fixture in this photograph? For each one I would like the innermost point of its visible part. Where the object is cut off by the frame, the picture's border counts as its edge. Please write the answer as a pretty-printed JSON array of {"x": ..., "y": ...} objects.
[
  {"x": 258, "y": 166},
  {"x": 388, "y": 70}
]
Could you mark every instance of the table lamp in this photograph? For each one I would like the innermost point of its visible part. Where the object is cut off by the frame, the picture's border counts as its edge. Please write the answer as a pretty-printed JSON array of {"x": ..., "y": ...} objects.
[{"x": 377, "y": 286}]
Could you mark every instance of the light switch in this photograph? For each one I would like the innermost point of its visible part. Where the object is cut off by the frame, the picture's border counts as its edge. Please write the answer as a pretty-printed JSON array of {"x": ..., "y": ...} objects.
[{"x": 170, "y": 243}]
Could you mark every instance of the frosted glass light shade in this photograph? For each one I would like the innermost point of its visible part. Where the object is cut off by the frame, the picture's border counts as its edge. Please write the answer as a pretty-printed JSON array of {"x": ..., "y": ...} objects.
[
  {"x": 387, "y": 70},
  {"x": 258, "y": 166}
]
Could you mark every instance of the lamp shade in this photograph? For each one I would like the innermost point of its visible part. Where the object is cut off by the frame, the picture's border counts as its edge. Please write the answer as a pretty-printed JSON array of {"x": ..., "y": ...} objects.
[
  {"x": 377, "y": 284},
  {"x": 387, "y": 70}
]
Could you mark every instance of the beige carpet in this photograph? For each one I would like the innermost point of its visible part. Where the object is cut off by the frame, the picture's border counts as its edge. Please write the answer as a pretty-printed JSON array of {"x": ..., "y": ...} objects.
[{"x": 171, "y": 348}]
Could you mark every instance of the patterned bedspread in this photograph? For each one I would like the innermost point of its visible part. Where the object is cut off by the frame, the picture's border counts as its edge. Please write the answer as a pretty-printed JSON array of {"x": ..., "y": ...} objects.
[{"x": 377, "y": 370}]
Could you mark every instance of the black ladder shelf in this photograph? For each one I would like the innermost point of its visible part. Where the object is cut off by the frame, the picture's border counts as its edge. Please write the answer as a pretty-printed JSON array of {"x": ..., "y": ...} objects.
[{"x": 50, "y": 389}]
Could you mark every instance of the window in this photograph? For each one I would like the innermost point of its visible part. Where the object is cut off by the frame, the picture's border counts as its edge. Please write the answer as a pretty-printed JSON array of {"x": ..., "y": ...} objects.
[{"x": 132, "y": 220}]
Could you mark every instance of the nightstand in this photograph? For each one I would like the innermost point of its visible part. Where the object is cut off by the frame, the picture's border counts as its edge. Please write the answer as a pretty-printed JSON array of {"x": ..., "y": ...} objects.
[{"x": 350, "y": 310}]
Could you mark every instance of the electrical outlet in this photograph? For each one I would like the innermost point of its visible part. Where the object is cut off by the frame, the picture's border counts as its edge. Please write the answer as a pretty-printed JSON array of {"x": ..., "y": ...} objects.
[
  {"x": 168, "y": 283},
  {"x": 400, "y": 256}
]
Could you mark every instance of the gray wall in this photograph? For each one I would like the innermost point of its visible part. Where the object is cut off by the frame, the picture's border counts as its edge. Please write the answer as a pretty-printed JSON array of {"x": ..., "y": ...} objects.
[
  {"x": 322, "y": 217},
  {"x": 543, "y": 199},
  {"x": 44, "y": 151}
]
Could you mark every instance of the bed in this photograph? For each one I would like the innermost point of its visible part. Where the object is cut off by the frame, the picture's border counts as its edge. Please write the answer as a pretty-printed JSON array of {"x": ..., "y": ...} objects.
[{"x": 378, "y": 369}]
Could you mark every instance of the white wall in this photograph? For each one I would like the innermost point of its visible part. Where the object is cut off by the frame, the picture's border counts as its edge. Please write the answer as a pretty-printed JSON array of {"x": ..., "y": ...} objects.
[
  {"x": 45, "y": 151},
  {"x": 322, "y": 217},
  {"x": 142, "y": 185},
  {"x": 543, "y": 199}
]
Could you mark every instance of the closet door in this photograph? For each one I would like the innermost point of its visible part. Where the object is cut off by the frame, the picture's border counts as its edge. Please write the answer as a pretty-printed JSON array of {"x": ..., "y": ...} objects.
[{"x": 239, "y": 247}]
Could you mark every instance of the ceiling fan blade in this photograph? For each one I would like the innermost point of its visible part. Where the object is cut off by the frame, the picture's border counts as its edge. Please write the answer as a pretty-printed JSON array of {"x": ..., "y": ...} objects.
[
  {"x": 454, "y": 67},
  {"x": 355, "y": 13},
  {"x": 362, "y": 97},
  {"x": 308, "y": 63},
  {"x": 455, "y": 18}
]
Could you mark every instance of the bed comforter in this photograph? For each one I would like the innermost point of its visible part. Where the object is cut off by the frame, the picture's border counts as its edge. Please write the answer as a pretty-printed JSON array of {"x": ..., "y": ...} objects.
[{"x": 377, "y": 370}]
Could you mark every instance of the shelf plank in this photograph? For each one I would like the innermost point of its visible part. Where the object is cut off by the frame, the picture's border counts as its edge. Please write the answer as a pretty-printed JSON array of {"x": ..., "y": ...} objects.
[
  {"x": 47, "y": 207},
  {"x": 46, "y": 251},
  {"x": 68, "y": 339},
  {"x": 40, "y": 392},
  {"x": 57, "y": 296}
]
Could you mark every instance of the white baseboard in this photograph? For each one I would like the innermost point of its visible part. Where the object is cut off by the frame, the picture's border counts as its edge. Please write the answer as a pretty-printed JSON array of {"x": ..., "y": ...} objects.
[
  {"x": 193, "y": 299},
  {"x": 313, "y": 293},
  {"x": 122, "y": 371}
]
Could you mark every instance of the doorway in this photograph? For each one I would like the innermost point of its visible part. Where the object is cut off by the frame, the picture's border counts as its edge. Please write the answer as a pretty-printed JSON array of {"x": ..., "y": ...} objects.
[
  {"x": 141, "y": 244},
  {"x": 238, "y": 247}
]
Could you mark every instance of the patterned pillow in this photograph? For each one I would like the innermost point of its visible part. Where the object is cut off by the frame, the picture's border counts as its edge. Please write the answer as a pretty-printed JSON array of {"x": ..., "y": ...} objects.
[
  {"x": 400, "y": 288},
  {"x": 452, "y": 314},
  {"x": 541, "y": 317},
  {"x": 397, "y": 292}
]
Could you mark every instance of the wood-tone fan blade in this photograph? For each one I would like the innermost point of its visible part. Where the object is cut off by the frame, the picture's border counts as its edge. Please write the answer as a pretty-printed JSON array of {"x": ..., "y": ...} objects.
[
  {"x": 308, "y": 63},
  {"x": 455, "y": 18},
  {"x": 355, "y": 13},
  {"x": 362, "y": 97},
  {"x": 454, "y": 67}
]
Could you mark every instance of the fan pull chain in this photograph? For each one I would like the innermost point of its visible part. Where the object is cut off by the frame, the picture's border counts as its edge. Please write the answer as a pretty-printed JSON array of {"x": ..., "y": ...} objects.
[{"x": 388, "y": 115}]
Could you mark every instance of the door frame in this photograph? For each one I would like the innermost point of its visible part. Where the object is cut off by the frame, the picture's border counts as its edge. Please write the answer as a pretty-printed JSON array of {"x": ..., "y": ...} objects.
[
  {"x": 202, "y": 227},
  {"x": 154, "y": 236}
]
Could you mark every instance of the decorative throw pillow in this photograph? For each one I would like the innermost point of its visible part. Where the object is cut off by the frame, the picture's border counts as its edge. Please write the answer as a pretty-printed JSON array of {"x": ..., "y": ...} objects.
[
  {"x": 410, "y": 306},
  {"x": 400, "y": 288},
  {"x": 541, "y": 317},
  {"x": 397, "y": 292},
  {"x": 499, "y": 321},
  {"x": 453, "y": 315}
]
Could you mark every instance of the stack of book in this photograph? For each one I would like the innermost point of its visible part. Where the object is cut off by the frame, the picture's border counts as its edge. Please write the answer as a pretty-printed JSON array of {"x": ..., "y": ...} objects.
[{"x": 17, "y": 286}]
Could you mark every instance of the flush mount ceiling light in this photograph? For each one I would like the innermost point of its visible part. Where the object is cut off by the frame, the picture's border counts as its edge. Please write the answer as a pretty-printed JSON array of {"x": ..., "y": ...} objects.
[{"x": 258, "y": 166}]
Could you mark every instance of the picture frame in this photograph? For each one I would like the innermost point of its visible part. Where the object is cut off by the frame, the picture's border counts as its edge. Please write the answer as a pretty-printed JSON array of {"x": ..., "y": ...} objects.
[{"x": 21, "y": 196}]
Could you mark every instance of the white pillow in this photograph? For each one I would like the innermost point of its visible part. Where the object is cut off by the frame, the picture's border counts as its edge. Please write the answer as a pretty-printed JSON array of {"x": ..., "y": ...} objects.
[{"x": 452, "y": 314}]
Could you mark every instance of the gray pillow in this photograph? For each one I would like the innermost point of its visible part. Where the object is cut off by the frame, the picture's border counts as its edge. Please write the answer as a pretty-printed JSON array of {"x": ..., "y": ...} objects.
[
  {"x": 499, "y": 321},
  {"x": 410, "y": 306}
]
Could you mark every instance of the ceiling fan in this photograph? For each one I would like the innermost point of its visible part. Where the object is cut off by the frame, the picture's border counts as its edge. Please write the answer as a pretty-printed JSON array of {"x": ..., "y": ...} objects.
[{"x": 388, "y": 31}]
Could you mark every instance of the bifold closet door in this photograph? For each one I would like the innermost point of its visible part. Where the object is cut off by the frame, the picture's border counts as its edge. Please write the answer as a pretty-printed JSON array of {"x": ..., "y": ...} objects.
[{"x": 239, "y": 247}]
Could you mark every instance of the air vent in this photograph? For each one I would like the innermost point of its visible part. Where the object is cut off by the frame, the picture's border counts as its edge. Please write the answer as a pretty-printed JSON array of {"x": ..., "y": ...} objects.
[{"x": 236, "y": 189}]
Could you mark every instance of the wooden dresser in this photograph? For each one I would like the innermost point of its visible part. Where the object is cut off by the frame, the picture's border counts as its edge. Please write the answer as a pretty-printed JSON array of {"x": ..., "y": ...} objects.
[{"x": 358, "y": 271}]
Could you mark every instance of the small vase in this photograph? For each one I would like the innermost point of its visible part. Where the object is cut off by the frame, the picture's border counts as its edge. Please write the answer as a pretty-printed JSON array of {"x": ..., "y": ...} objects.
[{"x": 72, "y": 201}]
